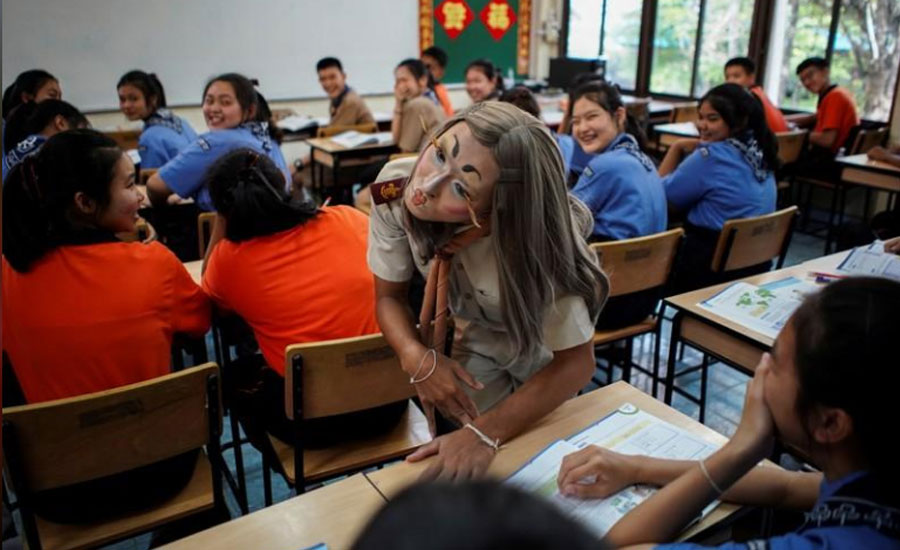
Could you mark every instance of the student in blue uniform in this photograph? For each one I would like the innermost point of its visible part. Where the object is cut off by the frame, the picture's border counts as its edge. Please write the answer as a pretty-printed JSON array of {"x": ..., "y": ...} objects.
[
  {"x": 619, "y": 185},
  {"x": 32, "y": 124},
  {"x": 230, "y": 107},
  {"x": 141, "y": 97},
  {"x": 810, "y": 395},
  {"x": 726, "y": 174}
]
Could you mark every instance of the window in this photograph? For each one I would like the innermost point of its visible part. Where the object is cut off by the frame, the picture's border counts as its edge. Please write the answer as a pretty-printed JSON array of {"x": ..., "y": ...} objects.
[
  {"x": 673, "y": 46},
  {"x": 608, "y": 28},
  {"x": 726, "y": 34}
]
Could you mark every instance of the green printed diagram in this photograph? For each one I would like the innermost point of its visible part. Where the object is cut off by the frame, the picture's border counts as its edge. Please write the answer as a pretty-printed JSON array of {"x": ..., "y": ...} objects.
[{"x": 759, "y": 299}]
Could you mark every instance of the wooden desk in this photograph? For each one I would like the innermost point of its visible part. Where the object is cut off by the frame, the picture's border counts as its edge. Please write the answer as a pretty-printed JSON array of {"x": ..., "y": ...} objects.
[
  {"x": 334, "y": 514},
  {"x": 195, "y": 269},
  {"x": 571, "y": 417},
  {"x": 326, "y": 152},
  {"x": 671, "y": 132},
  {"x": 726, "y": 340},
  {"x": 861, "y": 170}
]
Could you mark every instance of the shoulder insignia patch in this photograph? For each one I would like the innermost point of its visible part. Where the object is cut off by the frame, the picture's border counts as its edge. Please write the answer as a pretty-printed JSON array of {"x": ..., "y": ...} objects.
[{"x": 388, "y": 190}]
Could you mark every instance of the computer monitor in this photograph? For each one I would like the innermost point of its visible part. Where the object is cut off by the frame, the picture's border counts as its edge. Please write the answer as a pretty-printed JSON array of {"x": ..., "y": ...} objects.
[{"x": 564, "y": 69}]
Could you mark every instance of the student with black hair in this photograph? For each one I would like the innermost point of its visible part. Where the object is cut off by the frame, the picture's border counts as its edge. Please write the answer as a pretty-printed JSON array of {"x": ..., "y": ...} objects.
[
  {"x": 742, "y": 71},
  {"x": 836, "y": 113},
  {"x": 435, "y": 60},
  {"x": 35, "y": 86},
  {"x": 809, "y": 395},
  {"x": 231, "y": 107},
  {"x": 521, "y": 97},
  {"x": 576, "y": 159},
  {"x": 32, "y": 124},
  {"x": 415, "y": 113},
  {"x": 84, "y": 312},
  {"x": 483, "y": 81},
  {"x": 726, "y": 174},
  {"x": 346, "y": 107},
  {"x": 480, "y": 515},
  {"x": 295, "y": 273},
  {"x": 141, "y": 97}
]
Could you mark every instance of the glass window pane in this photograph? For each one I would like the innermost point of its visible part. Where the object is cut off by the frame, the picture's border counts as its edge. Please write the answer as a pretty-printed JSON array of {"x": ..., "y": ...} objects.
[
  {"x": 584, "y": 28},
  {"x": 726, "y": 34},
  {"x": 673, "y": 46},
  {"x": 866, "y": 57},
  {"x": 806, "y": 25},
  {"x": 622, "y": 40}
]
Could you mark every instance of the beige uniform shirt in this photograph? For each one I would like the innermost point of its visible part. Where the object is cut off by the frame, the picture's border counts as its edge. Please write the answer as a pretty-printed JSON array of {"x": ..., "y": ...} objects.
[
  {"x": 415, "y": 111},
  {"x": 482, "y": 344},
  {"x": 351, "y": 111}
]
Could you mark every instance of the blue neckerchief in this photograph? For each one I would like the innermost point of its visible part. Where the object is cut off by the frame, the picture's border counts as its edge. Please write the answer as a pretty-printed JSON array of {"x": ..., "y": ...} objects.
[
  {"x": 25, "y": 148},
  {"x": 429, "y": 93},
  {"x": 260, "y": 131},
  {"x": 164, "y": 117},
  {"x": 749, "y": 149},
  {"x": 627, "y": 143}
]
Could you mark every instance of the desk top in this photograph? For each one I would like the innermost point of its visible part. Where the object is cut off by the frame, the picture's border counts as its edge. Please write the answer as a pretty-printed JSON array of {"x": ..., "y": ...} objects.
[
  {"x": 685, "y": 129},
  {"x": 864, "y": 162},
  {"x": 571, "y": 417},
  {"x": 334, "y": 514},
  {"x": 328, "y": 146},
  {"x": 195, "y": 268},
  {"x": 689, "y": 301}
]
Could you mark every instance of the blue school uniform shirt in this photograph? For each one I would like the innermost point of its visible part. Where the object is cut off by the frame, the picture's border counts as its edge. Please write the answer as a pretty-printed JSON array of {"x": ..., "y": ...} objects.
[
  {"x": 186, "y": 173},
  {"x": 164, "y": 136},
  {"x": 812, "y": 538},
  {"x": 574, "y": 158},
  {"x": 621, "y": 187},
  {"x": 27, "y": 147},
  {"x": 720, "y": 181}
]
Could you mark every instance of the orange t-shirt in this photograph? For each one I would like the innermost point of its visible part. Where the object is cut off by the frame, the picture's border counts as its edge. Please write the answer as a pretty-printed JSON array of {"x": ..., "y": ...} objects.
[
  {"x": 307, "y": 284},
  {"x": 92, "y": 317},
  {"x": 444, "y": 98},
  {"x": 836, "y": 111},
  {"x": 774, "y": 116}
]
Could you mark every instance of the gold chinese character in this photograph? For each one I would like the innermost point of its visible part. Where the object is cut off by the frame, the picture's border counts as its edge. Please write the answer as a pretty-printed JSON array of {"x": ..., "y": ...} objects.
[
  {"x": 454, "y": 15},
  {"x": 498, "y": 16}
]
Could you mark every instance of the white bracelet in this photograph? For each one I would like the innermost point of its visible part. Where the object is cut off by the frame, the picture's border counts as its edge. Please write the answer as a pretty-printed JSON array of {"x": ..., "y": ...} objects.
[
  {"x": 412, "y": 379},
  {"x": 492, "y": 443},
  {"x": 710, "y": 479}
]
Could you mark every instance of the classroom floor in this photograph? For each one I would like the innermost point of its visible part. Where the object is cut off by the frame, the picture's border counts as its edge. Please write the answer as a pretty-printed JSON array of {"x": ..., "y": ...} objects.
[{"x": 723, "y": 410}]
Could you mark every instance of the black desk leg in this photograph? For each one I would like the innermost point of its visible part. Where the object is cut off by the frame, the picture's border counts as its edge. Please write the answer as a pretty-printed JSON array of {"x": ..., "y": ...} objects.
[{"x": 674, "y": 338}]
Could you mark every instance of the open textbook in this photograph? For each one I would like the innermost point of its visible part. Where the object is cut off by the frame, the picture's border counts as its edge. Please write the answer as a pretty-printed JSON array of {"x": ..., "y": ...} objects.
[
  {"x": 295, "y": 123},
  {"x": 352, "y": 138},
  {"x": 871, "y": 260},
  {"x": 628, "y": 430},
  {"x": 763, "y": 308}
]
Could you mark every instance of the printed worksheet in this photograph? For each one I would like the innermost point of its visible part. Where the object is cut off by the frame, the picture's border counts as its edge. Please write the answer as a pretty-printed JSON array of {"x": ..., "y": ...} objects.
[
  {"x": 872, "y": 260},
  {"x": 628, "y": 430},
  {"x": 764, "y": 309}
]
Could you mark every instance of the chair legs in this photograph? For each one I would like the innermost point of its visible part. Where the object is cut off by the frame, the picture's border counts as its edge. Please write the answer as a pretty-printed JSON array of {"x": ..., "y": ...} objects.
[{"x": 267, "y": 481}]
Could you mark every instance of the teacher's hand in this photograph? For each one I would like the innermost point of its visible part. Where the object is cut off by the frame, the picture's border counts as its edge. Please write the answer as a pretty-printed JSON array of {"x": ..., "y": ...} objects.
[
  {"x": 443, "y": 390},
  {"x": 460, "y": 455}
]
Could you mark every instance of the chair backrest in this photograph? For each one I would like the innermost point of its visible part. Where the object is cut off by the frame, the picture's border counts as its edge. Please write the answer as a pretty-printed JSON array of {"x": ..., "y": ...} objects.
[
  {"x": 146, "y": 174},
  {"x": 346, "y": 375},
  {"x": 867, "y": 139},
  {"x": 125, "y": 139},
  {"x": 328, "y": 131},
  {"x": 684, "y": 112},
  {"x": 68, "y": 441},
  {"x": 142, "y": 230},
  {"x": 750, "y": 241},
  {"x": 396, "y": 156},
  {"x": 205, "y": 222},
  {"x": 641, "y": 263},
  {"x": 790, "y": 145}
]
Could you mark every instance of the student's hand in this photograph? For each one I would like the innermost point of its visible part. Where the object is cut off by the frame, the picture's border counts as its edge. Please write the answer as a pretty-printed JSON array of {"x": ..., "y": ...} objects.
[
  {"x": 174, "y": 199},
  {"x": 443, "y": 389},
  {"x": 878, "y": 153},
  {"x": 611, "y": 471},
  {"x": 892, "y": 245},
  {"x": 460, "y": 455},
  {"x": 755, "y": 434}
]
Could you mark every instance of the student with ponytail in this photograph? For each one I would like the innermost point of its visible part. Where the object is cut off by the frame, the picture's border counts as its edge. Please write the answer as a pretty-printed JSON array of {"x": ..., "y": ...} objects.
[
  {"x": 810, "y": 395},
  {"x": 84, "y": 312},
  {"x": 32, "y": 124},
  {"x": 231, "y": 108},
  {"x": 726, "y": 174},
  {"x": 35, "y": 86},
  {"x": 141, "y": 97}
]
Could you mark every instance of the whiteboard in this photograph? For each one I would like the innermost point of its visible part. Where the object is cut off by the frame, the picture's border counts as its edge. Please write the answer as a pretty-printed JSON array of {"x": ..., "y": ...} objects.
[{"x": 90, "y": 44}]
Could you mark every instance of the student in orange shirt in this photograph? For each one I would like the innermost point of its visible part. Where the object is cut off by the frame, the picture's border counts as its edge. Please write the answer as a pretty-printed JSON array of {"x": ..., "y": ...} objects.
[
  {"x": 295, "y": 273},
  {"x": 836, "y": 112},
  {"x": 742, "y": 71},
  {"x": 435, "y": 60},
  {"x": 84, "y": 312}
]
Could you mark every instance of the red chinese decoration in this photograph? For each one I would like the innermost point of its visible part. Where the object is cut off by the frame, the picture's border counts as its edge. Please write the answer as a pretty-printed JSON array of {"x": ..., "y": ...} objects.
[
  {"x": 454, "y": 16},
  {"x": 498, "y": 17},
  {"x": 426, "y": 25},
  {"x": 523, "y": 49}
]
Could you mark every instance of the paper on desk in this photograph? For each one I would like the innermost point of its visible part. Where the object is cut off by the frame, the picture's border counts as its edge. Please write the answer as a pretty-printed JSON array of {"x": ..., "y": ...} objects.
[
  {"x": 872, "y": 260},
  {"x": 352, "y": 138},
  {"x": 764, "y": 309},
  {"x": 295, "y": 123},
  {"x": 629, "y": 431}
]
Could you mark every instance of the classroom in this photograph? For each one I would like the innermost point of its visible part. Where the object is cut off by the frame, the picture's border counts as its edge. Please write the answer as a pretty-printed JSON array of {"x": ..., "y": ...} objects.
[{"x": 450, "y": 274}]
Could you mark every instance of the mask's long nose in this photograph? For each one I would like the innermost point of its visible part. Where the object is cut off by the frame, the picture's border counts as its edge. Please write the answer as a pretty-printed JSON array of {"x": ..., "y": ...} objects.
[{"x": 432, "y": 185}]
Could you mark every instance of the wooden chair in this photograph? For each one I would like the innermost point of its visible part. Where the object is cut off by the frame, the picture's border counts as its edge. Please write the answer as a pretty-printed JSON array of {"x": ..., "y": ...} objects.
[
  {"x": 790, "y": 147},
  {"x": 59, "y": 443},
  {"x": 143, "y": 231},
  {"x": 634, "y": 265},
  {"x": 341, "y": 376},
  {"x": 125, "y": 139},
  {"x": 205, "y": 222},
  {"x": 742, "y": 243},
  {"x": 684, "y": 112}
]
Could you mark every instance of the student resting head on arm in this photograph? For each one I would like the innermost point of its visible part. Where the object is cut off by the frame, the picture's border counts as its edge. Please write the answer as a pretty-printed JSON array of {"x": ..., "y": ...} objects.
[
  {"x": 809, "y": 395},
  {"x": 726, "y": 174},
  {"x": 141, "y": 97},
  {"x": 483, "y": 81},
  {"x": 32, "y": 124},
  {"x": 742, "y": 71},
  {"x": 74, "y": 295},
  {"x": 486, "y": 204},
  {"x": 231, "y": 108},
  {"x": 416, "y": 113}
]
